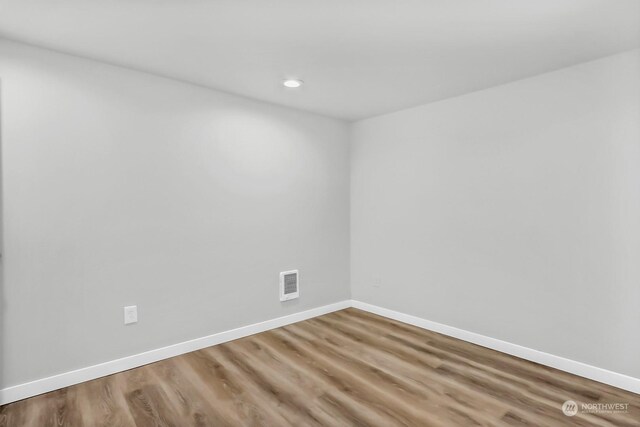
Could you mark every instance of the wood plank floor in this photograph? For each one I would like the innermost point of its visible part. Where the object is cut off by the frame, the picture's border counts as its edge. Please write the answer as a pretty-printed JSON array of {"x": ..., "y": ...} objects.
[{"x": 348, "y": 368}]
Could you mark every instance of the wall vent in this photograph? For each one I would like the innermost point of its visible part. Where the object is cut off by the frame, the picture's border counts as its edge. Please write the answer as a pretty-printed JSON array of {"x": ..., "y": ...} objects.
[{"x": 289, "y": 285}]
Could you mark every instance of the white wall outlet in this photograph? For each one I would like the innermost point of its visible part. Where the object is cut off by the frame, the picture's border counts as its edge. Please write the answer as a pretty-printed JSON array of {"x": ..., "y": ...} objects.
[{"x": 130, "y": 314}]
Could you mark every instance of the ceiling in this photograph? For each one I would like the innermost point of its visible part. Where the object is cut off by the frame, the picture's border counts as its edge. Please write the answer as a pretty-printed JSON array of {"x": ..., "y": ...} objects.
[{"x": 358, "y": 58}]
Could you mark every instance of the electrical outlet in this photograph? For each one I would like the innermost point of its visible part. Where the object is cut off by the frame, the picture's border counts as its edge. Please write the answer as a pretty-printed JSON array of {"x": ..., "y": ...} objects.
[{"x": 130, "y": 314}]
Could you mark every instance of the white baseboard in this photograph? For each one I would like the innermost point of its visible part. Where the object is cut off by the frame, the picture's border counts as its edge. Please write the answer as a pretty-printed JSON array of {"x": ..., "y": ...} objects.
[
  {"x": 33, "y": 388},
  {"x": 615, "y": 379},
  {"x": 22, "y": 391}
]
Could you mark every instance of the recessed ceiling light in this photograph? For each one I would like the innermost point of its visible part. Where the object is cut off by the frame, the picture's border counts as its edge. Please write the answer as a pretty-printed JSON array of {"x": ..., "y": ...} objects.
[{"x": 292, "y": 83}]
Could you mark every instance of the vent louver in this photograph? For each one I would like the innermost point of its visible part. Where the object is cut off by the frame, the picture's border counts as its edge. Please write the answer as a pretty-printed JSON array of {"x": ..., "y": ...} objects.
[{"x": 289, "y": 285}]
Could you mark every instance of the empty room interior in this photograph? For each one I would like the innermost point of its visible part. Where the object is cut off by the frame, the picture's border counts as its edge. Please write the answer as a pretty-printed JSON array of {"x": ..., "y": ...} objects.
[{"x": 319, "y": 213}]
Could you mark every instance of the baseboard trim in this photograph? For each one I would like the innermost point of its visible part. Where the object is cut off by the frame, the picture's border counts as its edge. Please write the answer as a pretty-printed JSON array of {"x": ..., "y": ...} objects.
[
  {"x": 615, "y": 379},
  {"x": 44, "y": 385},
  {"x": 34, "y": 388}
]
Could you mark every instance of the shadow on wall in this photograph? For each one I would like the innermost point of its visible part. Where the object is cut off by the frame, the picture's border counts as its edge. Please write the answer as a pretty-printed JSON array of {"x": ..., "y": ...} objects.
[{"x": 3, "y": 304}]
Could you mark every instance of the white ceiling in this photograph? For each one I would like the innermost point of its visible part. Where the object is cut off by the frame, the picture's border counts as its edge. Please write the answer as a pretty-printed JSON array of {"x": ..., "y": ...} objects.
[{"x": 358, "y": 58}]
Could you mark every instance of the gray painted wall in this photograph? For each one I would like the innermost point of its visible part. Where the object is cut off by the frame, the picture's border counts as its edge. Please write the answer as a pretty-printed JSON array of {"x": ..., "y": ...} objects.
[
  {"x": 124, "y": 188},
  {"x": 512, "y": 212}
]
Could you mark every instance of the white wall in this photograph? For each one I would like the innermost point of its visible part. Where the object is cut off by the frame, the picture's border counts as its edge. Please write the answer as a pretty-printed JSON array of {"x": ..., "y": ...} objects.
[
  {"x": 124, "y": 188},
  {"x": 512, "y": 212}
]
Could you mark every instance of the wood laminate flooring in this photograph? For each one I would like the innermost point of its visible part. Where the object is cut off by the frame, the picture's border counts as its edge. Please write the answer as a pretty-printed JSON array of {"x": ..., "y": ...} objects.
[{"x": 348, "y": 368}]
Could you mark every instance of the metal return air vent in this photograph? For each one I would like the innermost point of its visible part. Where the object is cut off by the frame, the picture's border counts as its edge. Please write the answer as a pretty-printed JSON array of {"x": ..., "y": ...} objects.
[{"x": 289, "y": 285}]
